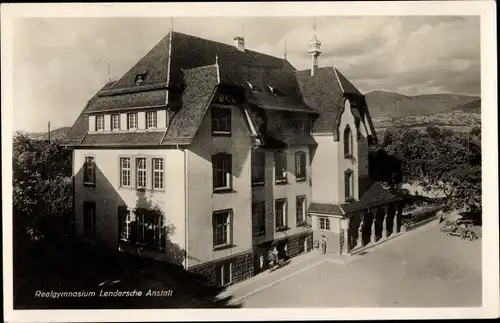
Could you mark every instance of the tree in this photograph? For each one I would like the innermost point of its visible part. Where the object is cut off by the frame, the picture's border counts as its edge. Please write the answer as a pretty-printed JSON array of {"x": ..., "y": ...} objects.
[
  {"x": 441, "y": 159},
  {"x": 42, "y": 184}
]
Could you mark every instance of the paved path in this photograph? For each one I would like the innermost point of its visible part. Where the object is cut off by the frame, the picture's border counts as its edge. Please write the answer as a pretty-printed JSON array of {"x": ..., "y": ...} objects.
[{"x": 422, "y": 268}]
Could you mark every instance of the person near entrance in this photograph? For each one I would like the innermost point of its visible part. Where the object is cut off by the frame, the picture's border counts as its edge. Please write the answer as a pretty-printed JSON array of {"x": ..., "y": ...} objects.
[{"x": 323, "y": 244}]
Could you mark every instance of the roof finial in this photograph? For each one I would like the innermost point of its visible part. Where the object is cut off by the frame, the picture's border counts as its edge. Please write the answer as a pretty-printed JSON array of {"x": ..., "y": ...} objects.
[
  {"x": 217, "y": 55},
  {"x": 109, "y": 72},
  {"x": 172, "y": 24},
  {"x": 314, "y": 26},
  {"x": 285, "y": 48}
]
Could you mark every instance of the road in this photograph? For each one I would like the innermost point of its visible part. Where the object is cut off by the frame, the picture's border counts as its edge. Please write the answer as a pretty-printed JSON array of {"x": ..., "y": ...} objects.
[{"x": 419, "y": 269}]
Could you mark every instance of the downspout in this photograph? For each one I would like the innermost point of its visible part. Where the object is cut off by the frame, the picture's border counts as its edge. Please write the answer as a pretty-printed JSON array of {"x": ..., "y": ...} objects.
[{"x": 186, "y": 210}]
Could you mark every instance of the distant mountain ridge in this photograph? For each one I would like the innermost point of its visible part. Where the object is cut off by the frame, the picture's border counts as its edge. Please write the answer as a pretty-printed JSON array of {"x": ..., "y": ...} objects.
[
  {"x": 58, "y": 133},
  {"x": 384, "y": 104}
]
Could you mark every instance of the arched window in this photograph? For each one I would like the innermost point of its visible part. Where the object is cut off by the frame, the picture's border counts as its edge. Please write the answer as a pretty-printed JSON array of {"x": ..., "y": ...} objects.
[{"x": 348, "y": 150}]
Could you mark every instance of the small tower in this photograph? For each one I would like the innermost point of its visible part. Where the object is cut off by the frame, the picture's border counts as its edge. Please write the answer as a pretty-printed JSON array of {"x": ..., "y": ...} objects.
[{"x": 314, "y": 50}]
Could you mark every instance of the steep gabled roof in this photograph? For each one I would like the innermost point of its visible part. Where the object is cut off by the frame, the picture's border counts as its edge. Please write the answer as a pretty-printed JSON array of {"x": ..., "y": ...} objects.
[
  {"x": 325, "y": 92},
  {"x": 201, "y": 85}
]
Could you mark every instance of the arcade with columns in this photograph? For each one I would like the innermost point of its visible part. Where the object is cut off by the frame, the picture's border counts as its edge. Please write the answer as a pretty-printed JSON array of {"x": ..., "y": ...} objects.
[{"x": 369, "y": 226}]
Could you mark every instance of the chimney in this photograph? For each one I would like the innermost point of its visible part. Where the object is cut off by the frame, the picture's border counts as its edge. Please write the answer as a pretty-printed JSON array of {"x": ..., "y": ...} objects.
[{"x": 239, "y": 42}]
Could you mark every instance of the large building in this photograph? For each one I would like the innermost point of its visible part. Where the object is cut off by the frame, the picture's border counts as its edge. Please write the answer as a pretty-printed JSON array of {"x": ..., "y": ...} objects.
[{"x": 208, "y": 155}]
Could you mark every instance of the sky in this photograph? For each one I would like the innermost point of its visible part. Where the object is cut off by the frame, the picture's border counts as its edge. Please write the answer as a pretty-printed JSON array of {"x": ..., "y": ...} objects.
[{"x": 59, "y": 63}]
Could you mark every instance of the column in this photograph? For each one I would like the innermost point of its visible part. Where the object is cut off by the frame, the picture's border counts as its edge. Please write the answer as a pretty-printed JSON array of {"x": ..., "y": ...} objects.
[
  {"x": 360, "y": 234},
  {"x": 384, "y": 223},
  {"x": 395, "y": 223},
  {"x": 373, "y": 239},
  {"x": 346, "y": 248}
]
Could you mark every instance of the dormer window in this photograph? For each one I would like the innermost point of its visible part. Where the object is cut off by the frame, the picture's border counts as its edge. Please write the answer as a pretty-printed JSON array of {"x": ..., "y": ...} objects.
[
  {"x": 139, "y": 79},
  {"x": 151, "y": 120},
  {"x": 348, "y": 143},
  {"x": 298, "y": 126},
  {"x": 99, "y": 123},
  {"x": 132, "y": 120},
  {"x": 115, "y": 122}
]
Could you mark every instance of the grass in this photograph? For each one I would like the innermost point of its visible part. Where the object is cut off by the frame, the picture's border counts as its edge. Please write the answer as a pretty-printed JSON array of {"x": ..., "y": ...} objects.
[{"x": 67, "y": 266}]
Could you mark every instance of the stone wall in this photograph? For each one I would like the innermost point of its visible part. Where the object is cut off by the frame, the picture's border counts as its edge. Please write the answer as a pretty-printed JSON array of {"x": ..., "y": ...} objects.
[{"x": 241, "y": 268}]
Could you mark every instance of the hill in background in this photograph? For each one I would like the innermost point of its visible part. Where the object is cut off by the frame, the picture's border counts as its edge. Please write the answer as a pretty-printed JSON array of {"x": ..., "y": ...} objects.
[
  {"x": 384, "y": 104},
  {"x": 58, "y": 133}
]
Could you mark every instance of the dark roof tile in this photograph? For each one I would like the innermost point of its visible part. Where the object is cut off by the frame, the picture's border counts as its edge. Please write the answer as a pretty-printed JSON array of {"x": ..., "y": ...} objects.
[
  {"x": 129, "y": 100},
  {"x": 123, "y": 139},
  {"x": 201, "y": 85},
  {"x": 325, "y": 208},
  {"x": 376, "y": 195}
]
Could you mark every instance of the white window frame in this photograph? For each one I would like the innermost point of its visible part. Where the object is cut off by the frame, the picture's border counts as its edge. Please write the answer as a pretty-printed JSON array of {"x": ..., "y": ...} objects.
[
  {"x": 258, "y": 169},
  {"x": 324, "y": 224},
  {"x": 151, "y": 120},
  {"x": 86, "y": 180},
  {"x": 283, "y": 178},
  {"x": 126, "y": 229},
  {"x": 303, "y": 207},
  {"x": 157, "y": 171},
  {"x": 219, "y": 166},
  {"x": 298, "y": 163},
  {"x": 115, "y": 122},
  {"x": 256, "y": 225},
  {"x": 230, "y": 270},
  {"x": 128, "y": 170},
  {"x": 349, "y": 179},
  {"x": 284, "y": 209},
  {"x": 132, "y": 120},
  {"x": 140, "y": 171},
  {"x": 228, "y": 214},
  {"x": 99, "y": 123},
  {"x": 219, "y": 121}
]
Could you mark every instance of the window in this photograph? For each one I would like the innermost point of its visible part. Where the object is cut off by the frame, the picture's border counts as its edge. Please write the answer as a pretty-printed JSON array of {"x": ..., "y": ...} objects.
[
  {"x": 115, "y": 122},
  {"x": 124, "y": 223},
  {"x": 150, "y": 228},
  {"x": 157, "y": 173},
  {"x": 132, "y": 120},
  {"x": 89, "y": 171},
  {"x": 300, "y": 166},
  {"x": 348, "y": 149},
  {"x": 300, "y": 206},
  {"x": 221, "y": 168},
  {"x": 224, "y": 275},
  {"x": 258, "y": 218},
  {"x": 89, "y": 219},
  {"x": 139, "y": 79},
  {"x": 151, "y": 120},
  {"x": 298, "y": 126},
  {"x": 258, "y": 167},
  {"x": 324, "y": 224},
  {"x": 349, "y": 184},
  {"x": 280, "y": 214},
  {"x": 125, "y": 172},
  {"x": 221, "y": 121},
  {"x": 141, "y": 173},
  {"x": 280, "y": 167},
  {"x": 99, "y": 123},
  {"x": 222, "y": 228}
]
